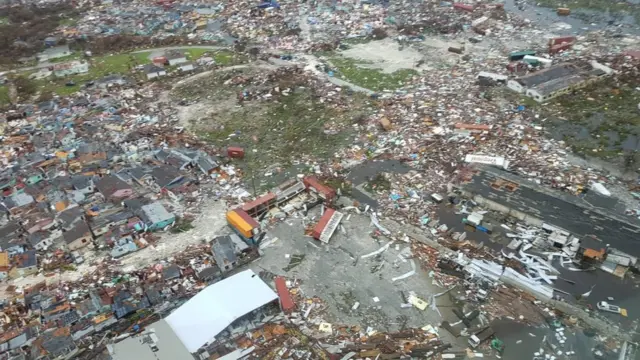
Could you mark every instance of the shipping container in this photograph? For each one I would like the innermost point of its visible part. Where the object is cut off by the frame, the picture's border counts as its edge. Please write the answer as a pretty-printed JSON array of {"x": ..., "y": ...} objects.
[
  {"x": 561, "y": 39},
  {"x": 519, "y": 55},
  {"x": 461, "y": 6},
  {"x": 536, "y": 61},
  {"x": 493, "y": 76},
  {"x": 456, "y": 50},
  {"x": 242, "y": 223},
  {"x": 313, "y": 185},
  {"x": 288, "y": 190},
  {"x": 560, "y": 47},
  {"x": 473, "y": 127},
  {"x": 327, "y": 225},
  {"x": 159, "y": 60},
  {"x": 563, "y": 11},
  {"x": 286, "y": 301},
  {"x": 385, "y": 123},
  {"x": 498, "y": 161},
  {"x": 235, "y": 152},
  {"x": 260, "y": 205}
]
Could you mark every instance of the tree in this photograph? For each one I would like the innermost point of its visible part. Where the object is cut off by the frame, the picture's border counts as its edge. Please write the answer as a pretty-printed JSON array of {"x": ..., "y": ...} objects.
[{"x": 25, "y": 87}]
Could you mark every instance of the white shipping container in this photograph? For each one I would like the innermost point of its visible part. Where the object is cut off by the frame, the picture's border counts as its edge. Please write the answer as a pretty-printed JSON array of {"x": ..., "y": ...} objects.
[{"x": 489, "y": 160}]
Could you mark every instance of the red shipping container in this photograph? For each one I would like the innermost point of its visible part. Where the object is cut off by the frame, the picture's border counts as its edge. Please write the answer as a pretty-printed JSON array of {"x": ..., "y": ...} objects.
[
  {"x": 159, "y": 60},
  {"x": 324, "y": 220},
  {"x": 560, "y": 47},
  {"x": 325, "y": 192},
  {"x": 561, "y": 39},
  {"x": 235, "y": 152},
  {"x": 461, "y": 6},
  {"x": 286, "y": 302},
  {"x": 263, "y": 203},
  {"x": 248, "y": 219}
]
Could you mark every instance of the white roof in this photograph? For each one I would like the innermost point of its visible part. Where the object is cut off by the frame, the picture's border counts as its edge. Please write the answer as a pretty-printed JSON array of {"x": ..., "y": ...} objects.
[{"x": 204, "y": 316}]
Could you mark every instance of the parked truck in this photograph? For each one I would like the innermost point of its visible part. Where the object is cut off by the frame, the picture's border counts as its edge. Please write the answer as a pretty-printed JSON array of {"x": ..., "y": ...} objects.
[{"x": 480, "y": 336}]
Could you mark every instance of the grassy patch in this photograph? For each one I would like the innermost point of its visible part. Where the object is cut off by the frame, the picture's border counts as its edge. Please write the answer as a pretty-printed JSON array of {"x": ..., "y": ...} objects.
[
  {"x": 65, "y": 58},
  {"x": 345, "y": 186},
  {"x": 4, "y": 95},
  {"x": 68, "y": 22},
  {"x": 142, "y": 57},
  {"x": 194, "y": 54},
  {"x": 276, "y": 129},
  {"x": 293, "y": 125},
  {"x": 228, "y": 58},
  {"x": 98, "y": 68},
  {"x": 372, "y": 79}
]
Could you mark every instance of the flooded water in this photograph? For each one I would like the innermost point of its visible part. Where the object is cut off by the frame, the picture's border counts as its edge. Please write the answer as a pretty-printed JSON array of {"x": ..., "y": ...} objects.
[
  {"x": 588, "y": 133},
  {"x": 447, "y": 215},
  {"x": 361, "y": 173},
  {"x": 578, "y": 22},
  {"x": 522, "y": 341}
]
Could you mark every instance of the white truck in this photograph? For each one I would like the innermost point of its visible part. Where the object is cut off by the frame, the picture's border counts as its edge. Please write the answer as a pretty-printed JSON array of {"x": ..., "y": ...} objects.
[{"x": 480, "y": 336}]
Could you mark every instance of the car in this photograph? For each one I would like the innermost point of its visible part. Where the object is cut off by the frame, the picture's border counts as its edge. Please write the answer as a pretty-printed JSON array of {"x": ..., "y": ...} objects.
[{"x": 605, "y": 306}]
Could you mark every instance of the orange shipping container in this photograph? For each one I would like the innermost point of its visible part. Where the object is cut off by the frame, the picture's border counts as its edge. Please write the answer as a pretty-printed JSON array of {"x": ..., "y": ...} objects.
[{"x": 241, "y": 223}]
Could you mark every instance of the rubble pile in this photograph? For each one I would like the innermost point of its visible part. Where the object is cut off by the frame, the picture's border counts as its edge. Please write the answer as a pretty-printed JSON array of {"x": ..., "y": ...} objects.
[{"x": 116, "y": 196}]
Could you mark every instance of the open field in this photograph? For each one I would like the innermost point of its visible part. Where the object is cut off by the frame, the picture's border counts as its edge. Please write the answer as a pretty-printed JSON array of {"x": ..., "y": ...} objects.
[
  {"x": 290, "y": 122},
  {"x": 373, "y": 79},
  {"x": 4, "y": 95}
]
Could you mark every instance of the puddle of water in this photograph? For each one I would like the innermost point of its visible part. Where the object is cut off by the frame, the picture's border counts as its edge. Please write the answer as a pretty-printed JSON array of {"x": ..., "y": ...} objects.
[{"x": 447, "y": 215}]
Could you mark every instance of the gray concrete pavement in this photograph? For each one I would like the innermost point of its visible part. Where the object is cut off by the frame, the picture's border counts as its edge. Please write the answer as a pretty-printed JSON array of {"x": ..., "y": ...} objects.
[{"x": 337, "y": 273}]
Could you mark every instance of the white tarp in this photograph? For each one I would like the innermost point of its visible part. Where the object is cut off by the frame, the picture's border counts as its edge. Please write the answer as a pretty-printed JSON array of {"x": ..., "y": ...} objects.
[{"x": 204, "y": 316}]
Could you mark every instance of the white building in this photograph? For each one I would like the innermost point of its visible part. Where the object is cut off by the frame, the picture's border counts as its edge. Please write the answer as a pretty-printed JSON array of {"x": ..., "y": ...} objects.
[
  {"x": 154, "y": 71},
  {"x": 557, "y": 80},
  {"x": 188, "y": 66},
  {"x": 198, "y": 321},
  {"x": 175, "y": 57}
]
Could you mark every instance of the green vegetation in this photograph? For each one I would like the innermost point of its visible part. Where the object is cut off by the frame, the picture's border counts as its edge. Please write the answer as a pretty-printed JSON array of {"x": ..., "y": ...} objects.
[
  {"x": 595, "y": 121},
  {"x": 345, "y": 186},
  {"x": 68, "y": 21},
  {"x": 372, "y": 79},
  {"x": 99, "y": 67},
  {"x": 181, "y": 226},
  {"x": 378, "y": 183},
  {"x": 294, "y": 124},
  {"x": 4, "y": 95},
  {"x": 224, "y": 58},
  {"x": 66, "y": 58},
  {"x": 197, "y": 53}
]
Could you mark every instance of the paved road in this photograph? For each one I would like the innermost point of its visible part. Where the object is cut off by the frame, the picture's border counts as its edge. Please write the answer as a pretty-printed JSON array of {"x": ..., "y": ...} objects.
[{"x": 596, "y": 219}]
